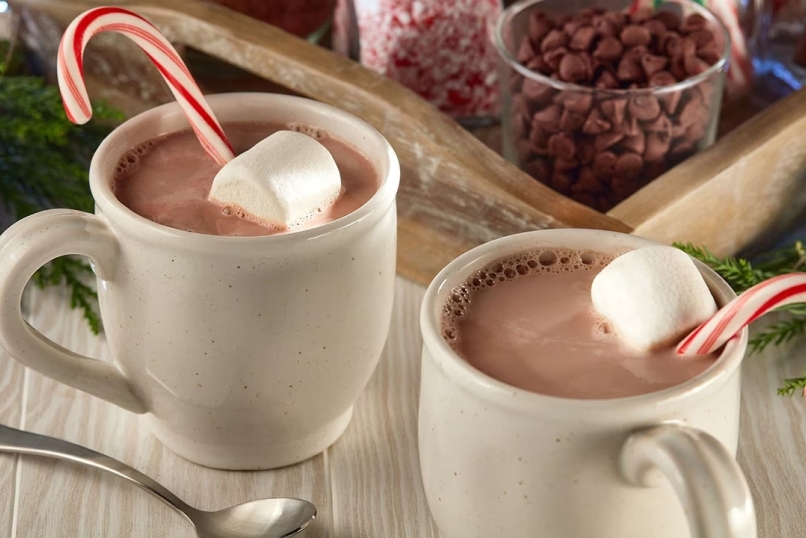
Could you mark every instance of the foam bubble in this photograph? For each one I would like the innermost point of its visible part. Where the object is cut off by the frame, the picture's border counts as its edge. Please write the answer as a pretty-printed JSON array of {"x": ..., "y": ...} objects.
[{"x": 532, "y": 262}]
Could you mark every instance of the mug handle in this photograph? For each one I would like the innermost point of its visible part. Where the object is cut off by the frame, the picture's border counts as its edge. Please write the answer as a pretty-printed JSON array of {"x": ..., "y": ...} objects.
[
  {"x": 24, "y": 248},
  {"x": 706, "y": 478}
]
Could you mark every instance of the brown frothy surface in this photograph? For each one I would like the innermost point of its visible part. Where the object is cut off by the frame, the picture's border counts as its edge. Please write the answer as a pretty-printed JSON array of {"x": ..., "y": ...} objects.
[
  {"x": 167, "y": 180},
  {"x": 528, "y": 320}
]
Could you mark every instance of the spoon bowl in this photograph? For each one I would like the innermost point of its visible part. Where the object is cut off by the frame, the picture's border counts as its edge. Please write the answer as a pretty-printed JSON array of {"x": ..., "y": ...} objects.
[{"x": 263, "y": 518}]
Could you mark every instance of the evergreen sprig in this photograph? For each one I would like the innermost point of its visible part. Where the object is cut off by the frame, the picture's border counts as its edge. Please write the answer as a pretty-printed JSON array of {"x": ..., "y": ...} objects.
[
  {"x": 44, "y": 160},
  {"x": 741, "y": 275}
]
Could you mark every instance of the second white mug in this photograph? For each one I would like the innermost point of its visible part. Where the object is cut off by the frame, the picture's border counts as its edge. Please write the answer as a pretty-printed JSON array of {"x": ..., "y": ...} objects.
[{"x": 500, "y": 461}]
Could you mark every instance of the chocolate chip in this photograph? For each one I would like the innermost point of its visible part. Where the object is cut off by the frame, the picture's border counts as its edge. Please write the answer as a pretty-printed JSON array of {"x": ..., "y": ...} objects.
[
  {"x": 653, "y": 64},
  {"x": 628, "y": 127},
  {"x": 670, "y": 19},
  {"x": 633, "y": 35},
  {"x": 690, "y": 113},
  {"x": 608, "y": 49},
  {"x": 526, "y": 51},
  {"x": 662, "y": 124},
  {"x": 573, "y": 68},
  {"x": 574, "y": 24},
  {"x": 629, "y": 165},
  {"x": 586, "y": 150},
  {"x": 693, "y": 22},
  {"x": 629, "y": 70},
  {"x": 613, "y": 109},
  {"x": 606, "y": 27},
  {"x": 566, "y": 164},
  {"x": 607, "y": 81},
  {"x": 587, "y": 182},
  {"x": 656, "y": 28},
  {"x": 571, "y": 121},
  {"x": 642, "y": 14},
  {"x": 537, "y": 91},
  {"x": 695, "y": 66},
  {"x": 702, "y": 37},
  {"x": 562, "y": 182},
  {"x": 688, "y": 47},
  {"x": 580, "y": 103},
  {"x": 635, "y": 144},
  {"x": 605, "y": 140},
  {"x": 538, "y": 169},
  {"x": 583, "y": 38},
  {"x": 662, "y": 78},
  {"x": 539, "y": 140},
  {"x": 540, "y": 25},
  {"x": 554, "y": 57},
  {"x": 540, "y": 65},
  {"x": 670, "y": 101},
  {"x": 672, "y": 45},
  {"x": 710, "y": 53},
  {"x": 562, "y": 146},
  {"x": 635, "y": 53},
  {"x": 657, "y": 146},
  {"x": 678, "y": 68},
  {"x": 548, "y": 118},
  {"x": 604, "y": 164},
  {"x": 554, "y": 39},
  {"x": 644, "y": 108},
  {"x": 595, "y": 123}
]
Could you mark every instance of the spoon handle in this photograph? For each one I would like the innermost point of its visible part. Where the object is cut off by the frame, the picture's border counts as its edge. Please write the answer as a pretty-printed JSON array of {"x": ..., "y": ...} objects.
[{"x": 21, "y": 442}]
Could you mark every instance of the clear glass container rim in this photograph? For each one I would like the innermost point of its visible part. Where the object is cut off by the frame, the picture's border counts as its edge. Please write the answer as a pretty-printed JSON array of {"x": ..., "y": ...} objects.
[{"x": 516, "y": 9}]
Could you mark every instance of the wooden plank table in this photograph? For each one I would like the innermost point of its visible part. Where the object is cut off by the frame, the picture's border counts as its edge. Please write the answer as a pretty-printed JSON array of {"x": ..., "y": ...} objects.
[{"x": 367, "y": 485}]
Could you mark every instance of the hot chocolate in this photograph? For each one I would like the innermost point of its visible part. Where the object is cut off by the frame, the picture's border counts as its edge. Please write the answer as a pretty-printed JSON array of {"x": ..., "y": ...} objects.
[
  {"x": 528, "y": 321},
  {"x": 168, "y": 179}
]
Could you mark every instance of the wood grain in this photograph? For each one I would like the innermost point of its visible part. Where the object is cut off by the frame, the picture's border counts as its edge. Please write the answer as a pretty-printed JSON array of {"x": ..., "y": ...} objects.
[
  {"x": 773, "y": 440},
  {"x": 12, "y": 379},
  {"x": 374, "y": 467}
]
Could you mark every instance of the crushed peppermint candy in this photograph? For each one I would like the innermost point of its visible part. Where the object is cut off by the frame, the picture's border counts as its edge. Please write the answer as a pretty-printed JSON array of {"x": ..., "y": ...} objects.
[{"x": 438, "y": 48}]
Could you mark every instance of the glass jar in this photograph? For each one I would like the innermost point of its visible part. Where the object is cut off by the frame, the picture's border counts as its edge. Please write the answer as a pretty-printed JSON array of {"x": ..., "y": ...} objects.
[
  {"x": 441, "y": 49},
  {"x": 599, "y": 145}
]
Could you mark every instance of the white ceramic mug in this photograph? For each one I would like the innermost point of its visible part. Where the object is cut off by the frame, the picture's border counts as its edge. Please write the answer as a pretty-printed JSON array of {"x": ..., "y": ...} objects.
[
  {"x": 500, "y": 461},
  {"x": 245, "y": 352}
]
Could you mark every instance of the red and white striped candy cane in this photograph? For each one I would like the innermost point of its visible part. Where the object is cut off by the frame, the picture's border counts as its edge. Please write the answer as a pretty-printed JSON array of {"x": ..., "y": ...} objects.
[
  {"x": 70, "y": 70},
  {"x": 749, "y": 306}
]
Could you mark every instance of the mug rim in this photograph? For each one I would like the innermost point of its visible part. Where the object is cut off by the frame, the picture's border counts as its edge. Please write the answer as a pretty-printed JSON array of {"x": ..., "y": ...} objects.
[
  {"x": 116, "y": 211},
  {"x": 504, "y": 394}
]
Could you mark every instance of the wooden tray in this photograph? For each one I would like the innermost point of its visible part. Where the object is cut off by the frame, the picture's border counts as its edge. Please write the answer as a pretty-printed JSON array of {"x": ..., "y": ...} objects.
[{"x": 457, "y": 193}]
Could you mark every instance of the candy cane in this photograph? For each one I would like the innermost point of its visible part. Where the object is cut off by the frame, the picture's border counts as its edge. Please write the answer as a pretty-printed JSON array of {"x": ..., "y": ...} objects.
[
  {"x": 70, "y": 71},
  {"x": 749, "y": 306}
]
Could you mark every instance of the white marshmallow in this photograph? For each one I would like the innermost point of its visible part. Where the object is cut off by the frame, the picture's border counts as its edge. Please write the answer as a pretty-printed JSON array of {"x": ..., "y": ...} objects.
[
  {"x": 282, "y": 181},
  {"x": 652, "y": 296}
]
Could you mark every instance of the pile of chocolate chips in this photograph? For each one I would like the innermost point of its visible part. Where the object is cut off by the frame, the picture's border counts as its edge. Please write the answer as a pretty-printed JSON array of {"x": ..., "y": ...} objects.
[{"x": 599, "y": 147}]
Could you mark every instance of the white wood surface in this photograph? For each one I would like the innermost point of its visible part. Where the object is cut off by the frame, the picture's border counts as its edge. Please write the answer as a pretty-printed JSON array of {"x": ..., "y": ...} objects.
[{"x": 366, "y": 486}]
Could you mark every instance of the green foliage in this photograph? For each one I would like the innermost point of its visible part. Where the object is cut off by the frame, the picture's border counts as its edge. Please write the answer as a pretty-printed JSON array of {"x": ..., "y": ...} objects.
[
  {"x": 792, "y": 385},
  {"x": 44, "y": 160},
  {"x": 741, "y": 274}
]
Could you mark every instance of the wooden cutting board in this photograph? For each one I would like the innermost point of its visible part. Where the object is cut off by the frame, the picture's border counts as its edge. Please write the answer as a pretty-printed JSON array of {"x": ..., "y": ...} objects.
[{"x": 457, "y": 193}]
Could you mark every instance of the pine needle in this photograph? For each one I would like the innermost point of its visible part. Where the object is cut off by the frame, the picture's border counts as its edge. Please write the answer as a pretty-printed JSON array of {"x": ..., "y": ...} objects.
[
  {"x": 43, "y": 164},
  {"x": 740, "y": 274},
  {"x": 793, "y": 385}
]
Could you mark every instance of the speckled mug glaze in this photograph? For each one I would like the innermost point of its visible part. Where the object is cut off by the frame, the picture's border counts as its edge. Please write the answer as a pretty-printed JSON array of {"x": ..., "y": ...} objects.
[
  {"x": 244, "y": 352},
  {"x": 501, "y": 461}
]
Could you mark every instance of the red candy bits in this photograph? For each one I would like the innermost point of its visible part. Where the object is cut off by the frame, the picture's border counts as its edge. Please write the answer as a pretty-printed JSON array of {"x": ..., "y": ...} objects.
[{"x": 438, "y": 48}]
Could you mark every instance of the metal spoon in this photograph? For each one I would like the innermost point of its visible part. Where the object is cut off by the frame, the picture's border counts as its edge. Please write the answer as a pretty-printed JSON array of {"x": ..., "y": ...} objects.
[{"x": 264, "y": 518}]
